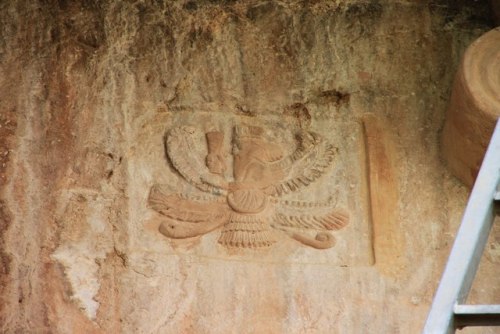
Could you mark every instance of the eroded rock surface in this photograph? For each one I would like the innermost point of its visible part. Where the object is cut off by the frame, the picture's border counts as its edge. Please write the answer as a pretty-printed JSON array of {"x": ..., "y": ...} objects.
[{"x": 90, "y": 92}]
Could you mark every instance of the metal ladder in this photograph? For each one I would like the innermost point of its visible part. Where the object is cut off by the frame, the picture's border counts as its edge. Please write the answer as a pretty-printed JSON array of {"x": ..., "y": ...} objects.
[{"x": 448, "y": 312}]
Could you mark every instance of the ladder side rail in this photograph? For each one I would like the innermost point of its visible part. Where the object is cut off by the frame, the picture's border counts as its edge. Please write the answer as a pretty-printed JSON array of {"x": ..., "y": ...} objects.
[{"x": 469, "y": 243}]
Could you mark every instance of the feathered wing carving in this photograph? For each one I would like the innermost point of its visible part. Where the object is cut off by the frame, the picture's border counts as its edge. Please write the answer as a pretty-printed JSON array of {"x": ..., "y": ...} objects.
[
  {"x": 333, "y": 220},
  {"x": 259, "y": 171},
  {"x": 181, "y": 148},
  {"x": 293, "y": 220},
  {"x": 186, "y": 218},
  {"x": 311, "y": 159},
  {"x": 182, "y": 209}
]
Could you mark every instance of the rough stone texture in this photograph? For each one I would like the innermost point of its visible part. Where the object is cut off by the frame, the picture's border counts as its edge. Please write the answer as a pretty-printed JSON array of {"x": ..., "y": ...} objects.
[{"x": 88, "y": 90}]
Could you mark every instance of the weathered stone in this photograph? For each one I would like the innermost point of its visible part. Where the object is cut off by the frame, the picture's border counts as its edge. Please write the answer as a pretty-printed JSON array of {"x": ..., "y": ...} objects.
[{"x": 91, "y": 92}]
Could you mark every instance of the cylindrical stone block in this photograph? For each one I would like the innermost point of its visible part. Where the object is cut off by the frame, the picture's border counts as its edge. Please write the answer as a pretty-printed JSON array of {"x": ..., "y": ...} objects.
[{"x": 474, "y": 107}]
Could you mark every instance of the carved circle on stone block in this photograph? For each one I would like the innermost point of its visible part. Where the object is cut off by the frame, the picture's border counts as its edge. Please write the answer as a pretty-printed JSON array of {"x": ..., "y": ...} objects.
[
  {"x": 481, "y": 66},
  {"x": 474, "y": 107}
]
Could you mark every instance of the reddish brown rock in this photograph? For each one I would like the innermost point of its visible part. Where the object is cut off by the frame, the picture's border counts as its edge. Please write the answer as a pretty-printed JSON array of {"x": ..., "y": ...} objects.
[{"x": 89, "y": 91}]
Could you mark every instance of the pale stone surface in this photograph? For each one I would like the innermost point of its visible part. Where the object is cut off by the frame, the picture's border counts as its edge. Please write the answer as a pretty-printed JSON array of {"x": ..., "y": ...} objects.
[{"x": 88, "y": 91}]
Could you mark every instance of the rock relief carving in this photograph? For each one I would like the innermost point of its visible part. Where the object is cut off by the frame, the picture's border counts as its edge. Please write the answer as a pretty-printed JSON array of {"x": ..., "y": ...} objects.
[{"x": 251, "y": 208}]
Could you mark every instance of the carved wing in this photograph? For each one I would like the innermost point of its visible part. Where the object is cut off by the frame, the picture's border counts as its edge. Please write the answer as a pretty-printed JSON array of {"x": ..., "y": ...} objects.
[
  {"x": 183, "y": 149},
  {"x": 187, "y": 218},
  {"x": 187, "y": 210},
  {"x": 328, "y": 220},
  {"x": 311, "y": 159}
]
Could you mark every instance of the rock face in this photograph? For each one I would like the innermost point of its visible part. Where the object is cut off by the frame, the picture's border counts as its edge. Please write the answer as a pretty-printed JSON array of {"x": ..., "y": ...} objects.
[{"x": 225, "y": 166}]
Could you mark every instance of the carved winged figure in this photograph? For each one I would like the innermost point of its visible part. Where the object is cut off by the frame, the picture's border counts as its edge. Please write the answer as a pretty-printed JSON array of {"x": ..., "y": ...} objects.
[{"x": 252, "y": 207}]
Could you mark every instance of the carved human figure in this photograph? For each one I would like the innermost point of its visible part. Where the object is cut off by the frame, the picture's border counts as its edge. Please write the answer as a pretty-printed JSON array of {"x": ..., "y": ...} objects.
[
  {"x": 253, "y": 169},
  {"x": 249, "y": 208}
]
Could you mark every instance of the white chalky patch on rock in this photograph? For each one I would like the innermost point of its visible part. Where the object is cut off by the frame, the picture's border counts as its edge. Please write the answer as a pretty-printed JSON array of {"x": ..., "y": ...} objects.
[{"x": 81, "y": 257}]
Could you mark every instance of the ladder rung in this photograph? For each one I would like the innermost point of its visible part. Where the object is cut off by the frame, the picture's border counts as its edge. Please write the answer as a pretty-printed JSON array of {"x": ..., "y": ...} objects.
[
  {"x": 477, "y": 315},
  {"x": 447, "y": 313},
  {"x": 497, "y": 196}
]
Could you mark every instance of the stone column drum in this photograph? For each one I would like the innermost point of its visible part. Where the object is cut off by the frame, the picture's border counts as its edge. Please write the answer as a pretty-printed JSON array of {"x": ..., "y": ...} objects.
[{"x": 474, "y": 107}]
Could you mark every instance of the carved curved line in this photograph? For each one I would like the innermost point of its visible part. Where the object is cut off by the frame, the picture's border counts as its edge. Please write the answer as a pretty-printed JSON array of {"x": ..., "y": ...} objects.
[
  {"x": 323, "y": 240},
  {"x": 182, "y": 230},
  {"x": 318, "y": 222}
]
